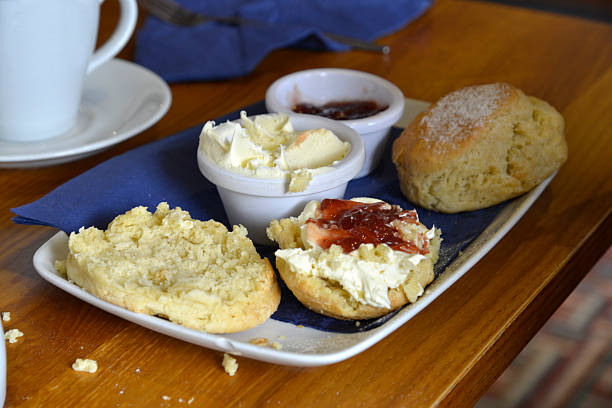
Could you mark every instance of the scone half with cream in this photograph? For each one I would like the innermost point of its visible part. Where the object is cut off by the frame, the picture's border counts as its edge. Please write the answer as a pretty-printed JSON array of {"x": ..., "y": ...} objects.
[
  {"x": 194, "y": 273},
  {"x": 355, "y": 259}
]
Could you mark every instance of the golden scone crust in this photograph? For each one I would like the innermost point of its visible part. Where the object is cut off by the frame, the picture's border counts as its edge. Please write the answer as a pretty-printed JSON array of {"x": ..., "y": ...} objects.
[
  {"x": 195, "y": 273},
  {"x": 478, "y": 146},
  {"x": 328, "y": 297}
]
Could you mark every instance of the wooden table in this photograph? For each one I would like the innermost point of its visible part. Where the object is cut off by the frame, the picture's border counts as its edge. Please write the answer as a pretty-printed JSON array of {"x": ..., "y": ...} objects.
[{"x": 451, "y": 352}]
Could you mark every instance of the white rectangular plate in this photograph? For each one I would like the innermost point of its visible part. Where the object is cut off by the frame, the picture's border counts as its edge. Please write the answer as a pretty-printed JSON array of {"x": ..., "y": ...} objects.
[
  {"x": 301, "y": 346},
  {"x": 2, "y": 366}
]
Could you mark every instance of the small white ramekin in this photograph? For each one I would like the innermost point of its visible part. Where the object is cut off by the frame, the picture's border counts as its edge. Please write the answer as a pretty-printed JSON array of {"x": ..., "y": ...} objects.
[
  {"x": 255, "y": 201},
  {"x": 319, "y": 86}
]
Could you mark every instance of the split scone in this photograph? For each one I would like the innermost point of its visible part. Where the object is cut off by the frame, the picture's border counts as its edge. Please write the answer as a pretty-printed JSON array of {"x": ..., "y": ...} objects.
[
  {"x": 478, "y": 146},
  {"x": 194, "y": 273},
  {"x": 355, "y": 259}
]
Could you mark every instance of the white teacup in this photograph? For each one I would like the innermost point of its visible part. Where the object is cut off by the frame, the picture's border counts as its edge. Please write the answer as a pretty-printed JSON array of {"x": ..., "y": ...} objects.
[{"x": 46, "y": 49}]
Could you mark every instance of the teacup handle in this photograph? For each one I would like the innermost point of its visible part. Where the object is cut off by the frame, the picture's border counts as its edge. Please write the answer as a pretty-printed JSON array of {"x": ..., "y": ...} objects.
[{"x": 121, "y": 35}]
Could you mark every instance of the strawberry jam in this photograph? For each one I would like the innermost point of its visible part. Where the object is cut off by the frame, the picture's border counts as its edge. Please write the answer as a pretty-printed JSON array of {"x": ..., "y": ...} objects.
[
  {"x": 349, "y": 224},
  {"x": 341, "y": 110}
]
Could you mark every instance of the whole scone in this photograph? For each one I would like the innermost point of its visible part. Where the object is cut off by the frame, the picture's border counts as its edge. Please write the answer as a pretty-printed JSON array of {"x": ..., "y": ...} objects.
[
  {"x": 478, "y": 146},
  {"x": 355, "y": 259},
  {"x": 194, "y": 273}
]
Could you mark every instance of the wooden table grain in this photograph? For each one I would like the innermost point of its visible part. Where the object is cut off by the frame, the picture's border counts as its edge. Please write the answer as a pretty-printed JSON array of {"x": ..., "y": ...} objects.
[{"x": 450, "y": 353}]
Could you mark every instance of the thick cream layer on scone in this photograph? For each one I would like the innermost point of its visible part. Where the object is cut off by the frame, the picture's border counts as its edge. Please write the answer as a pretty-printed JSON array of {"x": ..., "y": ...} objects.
[
  {"x": 195, "y": 273},
  {"x": 355, "y": 259},
  {"x": 478, "y": 146}
]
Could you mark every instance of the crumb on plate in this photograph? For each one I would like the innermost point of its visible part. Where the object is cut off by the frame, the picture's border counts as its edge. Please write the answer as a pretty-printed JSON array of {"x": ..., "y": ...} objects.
[
  {"x": 60, "y": 267},
  {"x": 260, "y": 341}
]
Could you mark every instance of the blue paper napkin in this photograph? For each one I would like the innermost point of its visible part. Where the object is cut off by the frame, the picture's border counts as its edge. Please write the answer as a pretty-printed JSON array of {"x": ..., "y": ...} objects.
[
  {"x": 211, "y": 51},
  {"x": 167, "y": 170}
]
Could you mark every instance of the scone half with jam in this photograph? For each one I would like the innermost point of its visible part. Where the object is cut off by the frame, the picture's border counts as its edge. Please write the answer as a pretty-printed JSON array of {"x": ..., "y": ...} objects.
[
  {"x": 355, "y": 259},
  {"x": 194, "y": 273}
]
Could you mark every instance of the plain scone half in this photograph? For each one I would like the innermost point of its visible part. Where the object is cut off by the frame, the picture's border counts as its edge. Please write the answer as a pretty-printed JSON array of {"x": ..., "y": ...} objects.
[
  {"x": 191, "y": 272},
  {"x": 478, "y": 146},
  {"x": 355, "y": 259}
]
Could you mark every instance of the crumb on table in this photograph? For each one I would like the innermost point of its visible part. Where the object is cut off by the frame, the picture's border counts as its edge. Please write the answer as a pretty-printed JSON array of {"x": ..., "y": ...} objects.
[
  {"x": 6, "y": 316},
  {"x": 230, "y": 365},
  {"x": 12, "y": 335},
  {"x": 85, "y": 365}
]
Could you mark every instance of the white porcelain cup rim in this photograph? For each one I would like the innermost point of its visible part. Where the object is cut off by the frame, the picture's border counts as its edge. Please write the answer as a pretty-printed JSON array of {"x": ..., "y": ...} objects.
[
  {"x": 385, "y": 118},
  {"x": 343, "y": 171}
]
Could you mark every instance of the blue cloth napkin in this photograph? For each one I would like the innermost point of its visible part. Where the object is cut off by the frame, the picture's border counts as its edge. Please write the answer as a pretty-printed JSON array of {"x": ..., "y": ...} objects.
[
  {"x": 167, "y": 170},
  {"x": 212, "y": 51}
]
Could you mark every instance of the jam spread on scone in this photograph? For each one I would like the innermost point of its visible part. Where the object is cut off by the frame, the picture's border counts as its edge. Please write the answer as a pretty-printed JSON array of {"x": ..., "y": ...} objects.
[{"x": 350, "y": 224}]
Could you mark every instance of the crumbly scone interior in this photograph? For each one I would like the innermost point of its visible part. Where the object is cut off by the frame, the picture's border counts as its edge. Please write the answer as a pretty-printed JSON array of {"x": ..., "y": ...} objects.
[{"x": 193, "y": 272}]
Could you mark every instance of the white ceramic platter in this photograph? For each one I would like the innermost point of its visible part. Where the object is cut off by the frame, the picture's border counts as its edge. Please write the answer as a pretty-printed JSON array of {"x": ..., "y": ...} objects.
[
  {"x": 120, "y": 99},
  {"x": 301, "y": 346},
  {"x": 2, "y": 367}
]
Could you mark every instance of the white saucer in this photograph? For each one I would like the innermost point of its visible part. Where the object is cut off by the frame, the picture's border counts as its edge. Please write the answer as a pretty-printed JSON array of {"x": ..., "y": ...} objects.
[{"x": 120, "y": 99}]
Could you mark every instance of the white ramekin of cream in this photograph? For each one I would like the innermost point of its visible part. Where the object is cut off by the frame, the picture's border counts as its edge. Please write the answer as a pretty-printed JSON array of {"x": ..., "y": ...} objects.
[{"x": 269, "y": 166}]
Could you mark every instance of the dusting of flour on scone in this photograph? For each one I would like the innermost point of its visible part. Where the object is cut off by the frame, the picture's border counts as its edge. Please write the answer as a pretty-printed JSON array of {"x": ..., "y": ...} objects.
[
  {"x": 478, "y": 146},
  {"x": 355, "y": 259},
  {"x": 194, "y": 273}
]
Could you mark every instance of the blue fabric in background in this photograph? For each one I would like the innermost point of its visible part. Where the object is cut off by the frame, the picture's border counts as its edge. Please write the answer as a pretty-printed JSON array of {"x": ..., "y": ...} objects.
[
  {"x": 212, "y": 51},
  {"x": 167, "y": 170}
]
